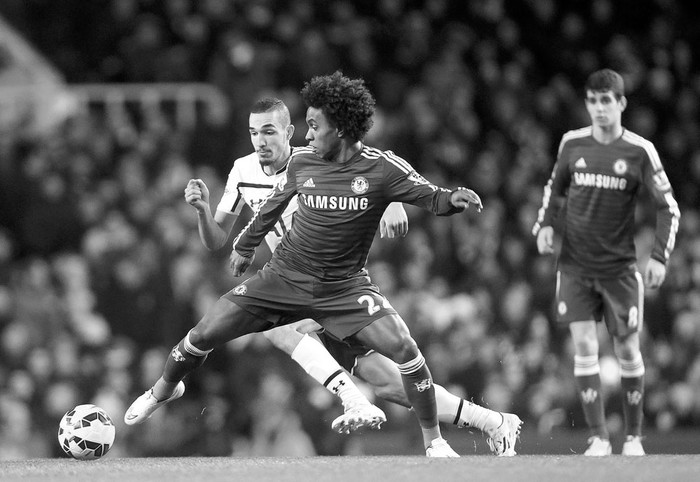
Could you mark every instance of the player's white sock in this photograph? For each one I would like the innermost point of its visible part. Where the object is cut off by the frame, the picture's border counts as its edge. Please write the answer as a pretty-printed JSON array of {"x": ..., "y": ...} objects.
[
  {"x": 313, "y": 357},
  {"x": 455, "y": 410}
]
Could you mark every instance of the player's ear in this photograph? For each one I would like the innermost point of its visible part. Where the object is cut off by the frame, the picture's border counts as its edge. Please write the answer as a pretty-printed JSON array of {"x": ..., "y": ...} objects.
[
  {"x": 290, "y": 131},
  {"x": 623, "y": 103}
]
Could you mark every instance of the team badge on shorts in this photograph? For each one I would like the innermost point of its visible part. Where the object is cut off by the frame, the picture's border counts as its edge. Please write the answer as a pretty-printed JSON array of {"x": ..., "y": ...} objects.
[
  {"x": 359, "y": 185},
  {"x": 561, "y": 308},
  {"x": 240, "y": 290}
]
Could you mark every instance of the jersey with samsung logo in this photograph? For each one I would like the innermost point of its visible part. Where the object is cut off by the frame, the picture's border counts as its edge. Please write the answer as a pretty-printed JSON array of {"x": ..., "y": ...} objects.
[
  {"x": 601, "y": 182},
  {"x": 339, "y": 208}
]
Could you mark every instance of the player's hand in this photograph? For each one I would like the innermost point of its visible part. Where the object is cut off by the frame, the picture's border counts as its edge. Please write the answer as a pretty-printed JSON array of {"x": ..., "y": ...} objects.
[
  {"x": 654, "y": 274},
  {"x": 463, "y": 197},
  {"x": 545, "y": 240},
  {"x": 197, "y": 194},
  {"x": 394, "y": 221},
  {"x": 239, "y": 264}
]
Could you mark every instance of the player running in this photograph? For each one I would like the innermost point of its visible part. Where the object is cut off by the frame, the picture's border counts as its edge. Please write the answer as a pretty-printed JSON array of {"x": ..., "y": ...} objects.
[
  {"x": 599, "y": 172},
  {"x": 318, "y": 269}
]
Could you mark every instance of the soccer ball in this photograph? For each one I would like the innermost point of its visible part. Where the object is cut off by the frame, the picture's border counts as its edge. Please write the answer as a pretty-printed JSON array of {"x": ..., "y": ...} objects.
[{"x": 86, "y": 432}]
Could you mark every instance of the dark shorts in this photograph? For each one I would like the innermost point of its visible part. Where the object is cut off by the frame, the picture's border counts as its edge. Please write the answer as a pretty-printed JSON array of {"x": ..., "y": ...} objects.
[
  {"x": 617, "y": 301},
  {"x": 345, "y": 352},
  {"x": 282, "y": 296}
]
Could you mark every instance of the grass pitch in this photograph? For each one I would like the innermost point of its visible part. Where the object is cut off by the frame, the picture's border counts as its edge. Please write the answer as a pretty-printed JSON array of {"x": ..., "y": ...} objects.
[{"x": 549, "y": 468}]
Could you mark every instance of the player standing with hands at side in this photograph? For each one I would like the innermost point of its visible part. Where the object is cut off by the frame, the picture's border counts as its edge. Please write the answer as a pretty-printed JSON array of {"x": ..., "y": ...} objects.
[
  {"x": 318, "y": 270},
  {"x": 599, "y": 172}
]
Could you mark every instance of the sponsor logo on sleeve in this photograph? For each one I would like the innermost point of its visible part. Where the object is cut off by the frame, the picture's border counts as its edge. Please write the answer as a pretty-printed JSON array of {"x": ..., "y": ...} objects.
[{"x": 417, "y": 178}]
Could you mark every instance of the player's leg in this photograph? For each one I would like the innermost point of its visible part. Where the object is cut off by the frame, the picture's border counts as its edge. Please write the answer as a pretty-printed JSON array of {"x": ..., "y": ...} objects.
[
  {"x": 632, "y": 382},
  {"x": 313, "y": 357},
  {"x": 624, "y": 314},
  {"x": 578, "y": 305},
  {"x": 390, "y": 336},
  {"x": 222, "y": 323},
  {"x": 587, "y": 376},
  {"x": 384, "y": 377}
]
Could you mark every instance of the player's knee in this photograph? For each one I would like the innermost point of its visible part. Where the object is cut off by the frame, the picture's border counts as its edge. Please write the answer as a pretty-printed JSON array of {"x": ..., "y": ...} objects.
[
  {"x": 627, "y": 347},
  {"x": 197, "y": 337},
  {"x": 404, "y": 349},
  {"x": 285, "y": 338},
  {"x": 586, "y": 345}
]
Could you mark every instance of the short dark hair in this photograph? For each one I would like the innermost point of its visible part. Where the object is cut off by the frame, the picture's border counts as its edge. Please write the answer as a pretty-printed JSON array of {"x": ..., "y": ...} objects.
[
  {"x": 347, "y": 103},
  {"x": 269, "y": 104},
  {"x": 604, "y": 80}
]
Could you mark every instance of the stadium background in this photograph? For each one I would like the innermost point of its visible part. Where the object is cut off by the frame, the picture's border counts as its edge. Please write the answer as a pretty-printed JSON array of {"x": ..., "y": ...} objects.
[{"x": 108, "y": 107}]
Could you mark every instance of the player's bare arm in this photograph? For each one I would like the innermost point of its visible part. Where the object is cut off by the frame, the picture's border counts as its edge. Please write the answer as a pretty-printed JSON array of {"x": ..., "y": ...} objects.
[{"x": 213, "y": 230}]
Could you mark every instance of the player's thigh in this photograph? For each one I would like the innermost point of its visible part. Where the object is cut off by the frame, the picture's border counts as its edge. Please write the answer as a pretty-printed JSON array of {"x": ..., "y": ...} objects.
[
  {"x": 623, "y": 299},
  {"x": 389, "y": 336},
  {"x": 223, "y": 322},
  {"x": 577, "y": 299}
]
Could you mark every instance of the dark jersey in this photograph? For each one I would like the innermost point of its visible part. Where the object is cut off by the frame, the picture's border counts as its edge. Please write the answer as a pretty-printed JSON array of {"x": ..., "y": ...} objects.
[
  {"x": 340, "y": 206},
  {"x": 598, "y": 186}
]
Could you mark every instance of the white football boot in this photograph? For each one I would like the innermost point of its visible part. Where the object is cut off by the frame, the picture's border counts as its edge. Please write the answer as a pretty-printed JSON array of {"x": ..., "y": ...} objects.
[
  {"x": 598, "y": 447},
  {"x": 358, "y": 416},
  {"x": 502, "y": 440},
  {"x": 144, "y": 406},
  {"x": 633, "y": 446},
  {"x": 440, "y": 448}
]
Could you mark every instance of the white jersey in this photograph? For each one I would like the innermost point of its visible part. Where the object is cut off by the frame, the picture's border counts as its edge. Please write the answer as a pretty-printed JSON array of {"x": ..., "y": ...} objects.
[{"x": 248, "y": 184}]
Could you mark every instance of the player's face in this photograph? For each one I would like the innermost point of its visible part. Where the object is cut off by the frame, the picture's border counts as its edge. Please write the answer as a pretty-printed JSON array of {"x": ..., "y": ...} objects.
[
  {"x": 604, "y": 108},
  {"x": 270, "y": 137},
  {"x": 322, "y": 136}
]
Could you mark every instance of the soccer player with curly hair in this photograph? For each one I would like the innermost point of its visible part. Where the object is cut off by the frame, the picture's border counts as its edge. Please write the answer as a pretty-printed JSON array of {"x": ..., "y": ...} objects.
[{"x": 342, "y": 188}]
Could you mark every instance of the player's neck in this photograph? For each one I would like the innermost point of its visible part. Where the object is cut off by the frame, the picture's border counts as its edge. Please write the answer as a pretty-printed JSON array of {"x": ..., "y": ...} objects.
[
  {"x": 278, "y": 164},
  {"x": 607, "y": 134},
  {"x": 347, "y": 151}
]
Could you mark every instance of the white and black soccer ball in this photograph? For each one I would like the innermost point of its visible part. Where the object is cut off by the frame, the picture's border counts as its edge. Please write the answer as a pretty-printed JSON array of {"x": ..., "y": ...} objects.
[{"x": 86, "y": 432}]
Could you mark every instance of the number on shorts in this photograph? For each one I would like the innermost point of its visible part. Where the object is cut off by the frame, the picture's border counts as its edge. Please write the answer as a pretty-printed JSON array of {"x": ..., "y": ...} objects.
[
  {"x": 633, "y": 319},
  {"x": 372, "y": 307}
]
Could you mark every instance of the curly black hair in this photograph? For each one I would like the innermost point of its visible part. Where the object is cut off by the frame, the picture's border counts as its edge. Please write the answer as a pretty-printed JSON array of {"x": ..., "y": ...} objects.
[{"x": 347, "y": 103}]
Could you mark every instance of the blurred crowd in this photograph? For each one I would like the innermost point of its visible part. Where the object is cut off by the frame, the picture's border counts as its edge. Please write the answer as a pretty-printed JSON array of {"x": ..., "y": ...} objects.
[{"x": 102, "y": 270}]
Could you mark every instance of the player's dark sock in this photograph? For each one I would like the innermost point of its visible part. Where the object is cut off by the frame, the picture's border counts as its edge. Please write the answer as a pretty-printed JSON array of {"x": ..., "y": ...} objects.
[
  {"x": 632, "y": 383},
  {"x": 418, "y": 384},
  {"x": 183, "y": 359},
  {"x": 587, "y": 376}
]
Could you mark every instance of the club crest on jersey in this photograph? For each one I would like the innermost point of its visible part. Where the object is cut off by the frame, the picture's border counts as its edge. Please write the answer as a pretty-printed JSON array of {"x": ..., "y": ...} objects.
[
  {"x": 359, "y": 185},
  {"x": 620, "y": 167},
  {"x": 240, "y": 290}
]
